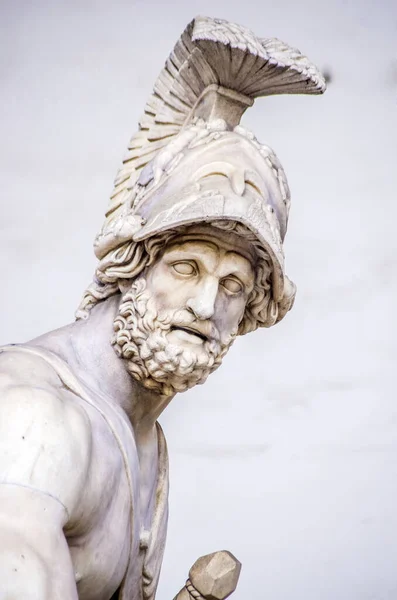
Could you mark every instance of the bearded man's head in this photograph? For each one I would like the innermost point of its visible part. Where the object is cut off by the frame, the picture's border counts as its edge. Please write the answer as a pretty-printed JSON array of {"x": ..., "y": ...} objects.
[
  {"x": 141, "y": 339},
  {"x": 153, "y": 332}
]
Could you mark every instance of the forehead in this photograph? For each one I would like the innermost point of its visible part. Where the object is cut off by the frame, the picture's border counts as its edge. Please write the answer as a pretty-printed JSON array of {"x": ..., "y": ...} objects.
[
  {"x": 224, "y": 239},
  {"x": 211, "y": 250}
]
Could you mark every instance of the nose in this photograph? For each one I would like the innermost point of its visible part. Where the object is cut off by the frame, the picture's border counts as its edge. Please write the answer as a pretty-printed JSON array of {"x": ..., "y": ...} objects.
[{"x": 202, "y": 303}]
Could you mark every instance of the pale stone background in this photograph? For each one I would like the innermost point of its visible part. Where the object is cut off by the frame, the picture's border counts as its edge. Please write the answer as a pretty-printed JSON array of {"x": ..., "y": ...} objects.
[{"x": 288, "y": 456}]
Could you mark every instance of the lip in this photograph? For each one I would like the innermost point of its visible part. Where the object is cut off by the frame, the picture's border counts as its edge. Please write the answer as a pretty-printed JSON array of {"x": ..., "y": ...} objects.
[{"x": 191, "y": 331}]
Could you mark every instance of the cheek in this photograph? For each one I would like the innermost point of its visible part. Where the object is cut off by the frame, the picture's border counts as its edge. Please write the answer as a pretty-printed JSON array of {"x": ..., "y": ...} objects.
[
  {"x": 167, "y": 291},
  {"x": 156, "y": 284},
  {"x": 229, "y": 314}
]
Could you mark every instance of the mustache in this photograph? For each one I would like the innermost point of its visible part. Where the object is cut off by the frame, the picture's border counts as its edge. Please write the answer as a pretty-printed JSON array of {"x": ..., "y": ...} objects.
[{"x": 185, "y": 320}]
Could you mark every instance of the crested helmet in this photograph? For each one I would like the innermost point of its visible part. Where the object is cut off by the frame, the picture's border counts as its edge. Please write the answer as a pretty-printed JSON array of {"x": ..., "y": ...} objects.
[{"x": 191, "y": 162}]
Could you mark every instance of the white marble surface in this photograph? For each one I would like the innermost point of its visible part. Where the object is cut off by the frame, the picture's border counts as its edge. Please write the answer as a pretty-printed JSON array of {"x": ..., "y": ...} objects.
[{"x": 296, "y": 476}]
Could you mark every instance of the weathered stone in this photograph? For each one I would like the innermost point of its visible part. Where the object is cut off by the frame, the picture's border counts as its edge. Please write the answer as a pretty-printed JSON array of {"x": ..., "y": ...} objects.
[
  {"x": 216, "y": 575},
  {"x": 190, "y": 256}
]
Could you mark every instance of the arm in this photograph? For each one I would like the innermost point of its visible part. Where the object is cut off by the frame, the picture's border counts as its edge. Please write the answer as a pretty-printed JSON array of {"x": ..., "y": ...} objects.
[
  {"x": 44, "y": 456},
  {"x": 35, "y": 563}
]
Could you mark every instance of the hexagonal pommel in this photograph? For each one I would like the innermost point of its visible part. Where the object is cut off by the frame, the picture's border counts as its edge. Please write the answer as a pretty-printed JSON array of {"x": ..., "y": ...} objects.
[{"x": 215, "y": 575}]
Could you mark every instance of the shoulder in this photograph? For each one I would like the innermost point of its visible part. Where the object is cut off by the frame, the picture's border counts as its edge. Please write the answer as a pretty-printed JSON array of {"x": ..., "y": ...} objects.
[
  {"x": 20, "y": 367},
  {"x": 45, "y": 438}
]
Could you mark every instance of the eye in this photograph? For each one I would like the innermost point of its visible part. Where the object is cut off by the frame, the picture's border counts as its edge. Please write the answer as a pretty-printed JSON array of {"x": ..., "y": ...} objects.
[
  {"x": 232, "y": 285},
  {"x": 184, "y": 268}
]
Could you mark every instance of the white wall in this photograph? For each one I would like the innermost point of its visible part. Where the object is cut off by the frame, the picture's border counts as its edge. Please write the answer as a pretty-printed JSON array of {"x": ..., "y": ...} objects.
[{"x": 287, "y": 456}]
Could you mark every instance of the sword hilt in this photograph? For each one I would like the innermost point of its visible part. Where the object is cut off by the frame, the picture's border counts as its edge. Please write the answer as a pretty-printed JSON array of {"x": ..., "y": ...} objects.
[{"x": 212, "y": 577}]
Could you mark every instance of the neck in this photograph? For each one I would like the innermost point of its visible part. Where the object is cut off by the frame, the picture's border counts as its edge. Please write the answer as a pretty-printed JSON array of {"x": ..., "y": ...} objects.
[{"x": 86, "y": 347}]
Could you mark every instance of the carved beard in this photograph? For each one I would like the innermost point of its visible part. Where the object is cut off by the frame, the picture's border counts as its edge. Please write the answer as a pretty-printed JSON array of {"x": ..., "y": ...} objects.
[{"x": 141, "y": 340}]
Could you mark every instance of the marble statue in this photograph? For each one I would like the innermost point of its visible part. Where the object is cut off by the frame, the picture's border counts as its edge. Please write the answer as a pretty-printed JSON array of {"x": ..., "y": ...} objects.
[{"x": 190, "y": 256}]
